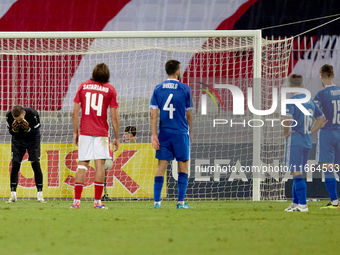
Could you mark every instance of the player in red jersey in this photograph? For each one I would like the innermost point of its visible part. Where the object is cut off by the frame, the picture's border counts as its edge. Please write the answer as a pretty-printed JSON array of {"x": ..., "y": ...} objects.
[{"x": 94, "y": 97}]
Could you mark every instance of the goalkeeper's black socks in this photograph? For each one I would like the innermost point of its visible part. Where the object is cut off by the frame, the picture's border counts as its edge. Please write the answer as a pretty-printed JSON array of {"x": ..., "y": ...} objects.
[
  {"x": 14, "y": 175},
  {"x": 38, "y": 176}
]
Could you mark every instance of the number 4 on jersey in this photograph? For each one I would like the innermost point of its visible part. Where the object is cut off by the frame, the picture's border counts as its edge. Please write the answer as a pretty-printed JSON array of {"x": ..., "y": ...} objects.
[
  {"x": 171, "y": 109},
  {"x": 97, "y": 107}
]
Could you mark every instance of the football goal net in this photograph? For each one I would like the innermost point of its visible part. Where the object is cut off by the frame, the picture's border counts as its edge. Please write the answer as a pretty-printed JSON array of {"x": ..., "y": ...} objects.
[{"x": 43, "y": 70}]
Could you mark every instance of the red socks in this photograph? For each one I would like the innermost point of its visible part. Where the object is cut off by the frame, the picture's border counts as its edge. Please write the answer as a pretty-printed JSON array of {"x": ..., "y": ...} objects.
[
  {"x": 78, "y": 189},
  {"x": 98, "y": 190}
]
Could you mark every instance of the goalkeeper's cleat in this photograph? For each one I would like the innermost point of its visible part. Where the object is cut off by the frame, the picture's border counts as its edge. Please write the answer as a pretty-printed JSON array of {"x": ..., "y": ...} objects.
[
  {"x": 330, "y": 206},
  {"x": 12, "y": 199},
  {"x": 184, "y": 206},
  {"x": 99, "y": 206},
  {"x": 157, "y": 206},
  {"x": 291, "y": 207},
  {"x": 75, "y": 206}
]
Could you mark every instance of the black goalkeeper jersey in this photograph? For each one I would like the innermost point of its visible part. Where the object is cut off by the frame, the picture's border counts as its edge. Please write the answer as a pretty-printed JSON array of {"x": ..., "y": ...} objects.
[{"x": 32, "y": 117}]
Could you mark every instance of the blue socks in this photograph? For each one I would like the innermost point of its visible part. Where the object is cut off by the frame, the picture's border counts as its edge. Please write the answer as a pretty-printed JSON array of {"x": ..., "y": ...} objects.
[
  {"x": 331, "y": 185},
  {"x": 157, "y": 188},
  {"x": 182, "y": 185},
  {"x": 295, "y": 199},
  {"x": 300, "y": 189}
]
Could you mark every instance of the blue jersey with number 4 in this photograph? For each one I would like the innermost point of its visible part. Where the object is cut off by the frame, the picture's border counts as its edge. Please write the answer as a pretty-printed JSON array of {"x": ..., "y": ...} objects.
[
  {"x": 173, "y": 99},
  {"x": 302, "y": 135},
  {"x": 328, "y": 100}
]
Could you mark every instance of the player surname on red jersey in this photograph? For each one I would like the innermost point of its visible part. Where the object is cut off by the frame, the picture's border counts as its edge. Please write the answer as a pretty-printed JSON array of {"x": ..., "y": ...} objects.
[
  {"x": 96, "y": 87},
  {"x": 95, "y": 98}
]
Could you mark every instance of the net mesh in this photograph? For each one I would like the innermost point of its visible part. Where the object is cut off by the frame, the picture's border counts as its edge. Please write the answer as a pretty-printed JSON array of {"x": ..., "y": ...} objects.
[{"x": 45, "y": 73}]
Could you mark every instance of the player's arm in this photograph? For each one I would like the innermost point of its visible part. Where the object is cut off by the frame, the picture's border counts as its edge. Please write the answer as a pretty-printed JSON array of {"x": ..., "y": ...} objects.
[
  {"x": 189, "y": 106},
  {"x": 33, "y": 126},
  {"x": 320, "y": 120},
  {"x": 154, "y": 137},
  {"x": 75, "y": 122},
  {"x": 190, "y": 121},
  {"x": 318, "y": 99},
  {"x": 319, "y": 123},
  {"x": 154, "y": 113},
  {"x": 12, "y": 125},
  {"x": 115, "y": 124},
  {"x": 286, "y": 132},
  {"x": 287, "y": 118}
]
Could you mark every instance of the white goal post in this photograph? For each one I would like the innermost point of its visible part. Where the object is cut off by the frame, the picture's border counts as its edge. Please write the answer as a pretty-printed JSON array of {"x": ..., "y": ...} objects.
[{"x": 43, "y": 70}]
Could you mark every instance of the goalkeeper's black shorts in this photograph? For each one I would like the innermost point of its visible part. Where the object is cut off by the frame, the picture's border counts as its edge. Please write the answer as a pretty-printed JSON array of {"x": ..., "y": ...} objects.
[{"x": 20, "y": 146}]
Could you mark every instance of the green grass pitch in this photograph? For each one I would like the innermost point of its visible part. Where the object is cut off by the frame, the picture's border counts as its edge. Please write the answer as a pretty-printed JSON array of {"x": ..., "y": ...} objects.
[{"x": 213, "y": 227}]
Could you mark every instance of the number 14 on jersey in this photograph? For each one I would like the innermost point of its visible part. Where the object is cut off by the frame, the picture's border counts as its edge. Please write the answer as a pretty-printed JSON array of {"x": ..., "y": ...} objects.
[{"x": 91, "y": 101}]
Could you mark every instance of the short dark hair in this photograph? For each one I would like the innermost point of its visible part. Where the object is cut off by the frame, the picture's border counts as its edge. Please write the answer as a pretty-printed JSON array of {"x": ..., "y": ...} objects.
[
  {"x": 172, "y": 66},
  {"x": 131, "y": 129},
  {"x": 17, "y": 111},
  {"x": 295, "y": 80},
  {"x": 101, "y": 73},
  {"x": 326, "y": 71}
]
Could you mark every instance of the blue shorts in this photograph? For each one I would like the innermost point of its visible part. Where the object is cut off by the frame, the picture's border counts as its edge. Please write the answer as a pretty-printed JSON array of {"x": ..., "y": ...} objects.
[
  {"x": 328, "y": 146},
  {"x": 296, "y": 157},
  {"x": 173, "y": 146}
]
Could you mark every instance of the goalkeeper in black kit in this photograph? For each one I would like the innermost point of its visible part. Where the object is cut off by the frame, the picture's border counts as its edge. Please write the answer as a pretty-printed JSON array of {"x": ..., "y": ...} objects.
[{"x": 23, "y": 124}]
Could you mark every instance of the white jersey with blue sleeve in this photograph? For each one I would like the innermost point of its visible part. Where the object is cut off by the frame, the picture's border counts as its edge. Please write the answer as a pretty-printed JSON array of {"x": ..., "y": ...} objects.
[
  {"x": 302, "y": 135},
  {"x": 173, "y": 99},
  {"x": 328, "y": 100}
]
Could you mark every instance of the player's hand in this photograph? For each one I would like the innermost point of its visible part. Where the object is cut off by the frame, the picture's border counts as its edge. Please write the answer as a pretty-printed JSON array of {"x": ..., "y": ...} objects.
[
  {"x": 25, "y": 125},
  {"x": 323, "y": 124},
  {"x": 15, "y": 126},
  {"x": 115, "y": 144},
  {"x": 75, "y": 138},
  {"x": 155, "y": 142},
  {"x": 191, "y": 138},
  {"x": 288, "y": 134}
]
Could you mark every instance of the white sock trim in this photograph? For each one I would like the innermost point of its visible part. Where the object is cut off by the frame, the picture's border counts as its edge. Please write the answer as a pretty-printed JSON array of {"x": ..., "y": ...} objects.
[{"x": 99, "y": 184}]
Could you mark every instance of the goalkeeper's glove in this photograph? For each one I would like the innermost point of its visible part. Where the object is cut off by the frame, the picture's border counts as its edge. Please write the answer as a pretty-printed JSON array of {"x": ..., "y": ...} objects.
[
  {"x": 15, "y": 126},
  {"x": 25, "y": 126}
]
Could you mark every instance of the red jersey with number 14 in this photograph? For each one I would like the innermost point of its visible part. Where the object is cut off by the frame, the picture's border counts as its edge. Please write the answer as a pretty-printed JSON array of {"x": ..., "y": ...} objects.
[{"x": 95, "y": 98}]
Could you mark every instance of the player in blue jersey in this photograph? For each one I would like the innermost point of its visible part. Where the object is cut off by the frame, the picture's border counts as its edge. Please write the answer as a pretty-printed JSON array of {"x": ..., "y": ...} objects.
[
  {"x": 328, "y": 142},
  {"x": 299, "y": 142},
  {"x": 174, "y": 101}
]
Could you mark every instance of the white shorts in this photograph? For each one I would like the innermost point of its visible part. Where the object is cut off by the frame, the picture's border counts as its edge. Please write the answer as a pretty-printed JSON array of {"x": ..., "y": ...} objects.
[{"x": 93, "y": 147}]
